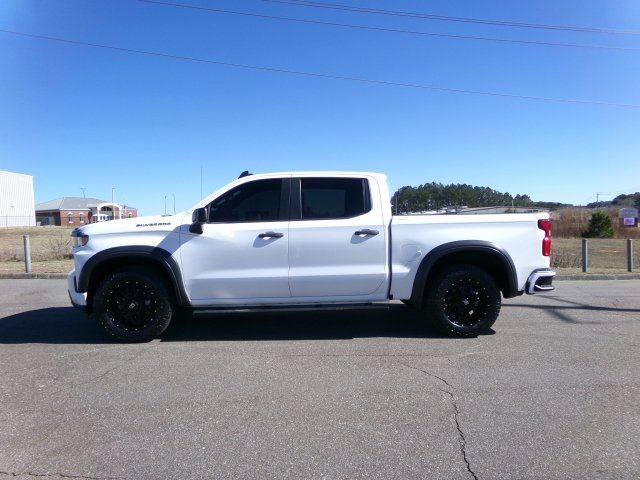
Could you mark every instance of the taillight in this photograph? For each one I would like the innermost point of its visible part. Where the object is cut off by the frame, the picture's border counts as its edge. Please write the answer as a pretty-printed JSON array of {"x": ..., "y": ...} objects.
[{"x": 545, "y": 224}]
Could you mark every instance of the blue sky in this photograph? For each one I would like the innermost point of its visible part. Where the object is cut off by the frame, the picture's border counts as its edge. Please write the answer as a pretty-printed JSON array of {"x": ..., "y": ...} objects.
[{"x": 76, "y": 116}]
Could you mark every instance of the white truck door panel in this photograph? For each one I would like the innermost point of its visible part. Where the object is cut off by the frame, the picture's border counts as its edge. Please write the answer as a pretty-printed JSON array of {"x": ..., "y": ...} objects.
[
  {"x": 232, "y": 261},
  {"x": 242, "y": 253},
  {"x": 326, "y": 255}
]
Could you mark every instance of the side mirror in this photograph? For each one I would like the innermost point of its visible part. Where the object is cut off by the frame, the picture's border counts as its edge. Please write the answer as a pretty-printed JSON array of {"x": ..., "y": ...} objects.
[{"x": 198, "y": 217}]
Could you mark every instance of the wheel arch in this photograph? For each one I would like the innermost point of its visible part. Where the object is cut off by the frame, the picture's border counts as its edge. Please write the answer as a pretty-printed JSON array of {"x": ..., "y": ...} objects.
[
  {"x": 111, "y": 259},
  {"x": 489, "y": 256}
]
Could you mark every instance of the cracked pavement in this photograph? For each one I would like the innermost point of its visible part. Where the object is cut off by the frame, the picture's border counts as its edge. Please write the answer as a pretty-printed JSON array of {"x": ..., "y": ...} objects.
[{"x": 554, "y": 393}]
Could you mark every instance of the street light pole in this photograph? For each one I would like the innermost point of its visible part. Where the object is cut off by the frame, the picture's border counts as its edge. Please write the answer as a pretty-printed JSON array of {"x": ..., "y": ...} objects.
[
  {"x": 165, "y": 204},
  {"x": 113, "y": 204},
  {"x": 174, "y": 203}
]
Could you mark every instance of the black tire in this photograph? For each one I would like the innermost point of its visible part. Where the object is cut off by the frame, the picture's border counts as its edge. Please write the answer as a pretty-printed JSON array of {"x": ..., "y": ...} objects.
[
  {"x": 462, "y": 300},
  {"x": 133, "y": 305}
]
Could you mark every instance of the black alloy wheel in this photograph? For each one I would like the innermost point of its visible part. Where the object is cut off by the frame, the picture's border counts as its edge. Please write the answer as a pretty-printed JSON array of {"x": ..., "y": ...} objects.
[
  {"x": 133, "y": 305},
  {"x": 462, "y": 300},
  {"x": 465, "y": 302}
]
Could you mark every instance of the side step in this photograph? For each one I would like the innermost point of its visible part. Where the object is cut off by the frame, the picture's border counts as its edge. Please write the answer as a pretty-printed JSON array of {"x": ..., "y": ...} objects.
[{"x": 291, "y": 308}]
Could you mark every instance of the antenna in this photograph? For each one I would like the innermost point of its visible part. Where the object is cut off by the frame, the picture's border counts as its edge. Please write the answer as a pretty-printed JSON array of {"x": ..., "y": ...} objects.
[
  {"x": 83, "y": 189},
  {"x": 246, "y": 173}
]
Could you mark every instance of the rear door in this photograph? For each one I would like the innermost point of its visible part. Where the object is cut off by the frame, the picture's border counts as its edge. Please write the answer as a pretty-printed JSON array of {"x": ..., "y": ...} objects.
[{"x": 337, "y": 239}]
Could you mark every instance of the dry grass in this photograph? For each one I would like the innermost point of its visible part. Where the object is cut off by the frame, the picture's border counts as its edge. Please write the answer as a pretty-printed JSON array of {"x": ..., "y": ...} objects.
[
  {"x": 571, "y": 222},
  {"x": 604, "y": 254},
  {"x": 50, "y": 249},
  {"x": 46, "y": 266}
]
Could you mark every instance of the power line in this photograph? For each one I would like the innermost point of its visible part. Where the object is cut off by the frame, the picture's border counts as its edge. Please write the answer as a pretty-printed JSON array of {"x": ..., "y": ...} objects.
[
  {"x": 383, "y": 29},
  {"x": 325, "y": 75},
  {"x": 446, "y": 18}
]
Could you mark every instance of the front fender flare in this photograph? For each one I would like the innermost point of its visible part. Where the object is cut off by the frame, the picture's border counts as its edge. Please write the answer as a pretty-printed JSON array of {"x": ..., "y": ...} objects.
[{"x": 155, "y": 254}]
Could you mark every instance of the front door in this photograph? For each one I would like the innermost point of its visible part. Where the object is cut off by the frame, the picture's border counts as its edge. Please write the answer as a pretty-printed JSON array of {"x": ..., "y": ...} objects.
[{"x": 242, "y": 254}]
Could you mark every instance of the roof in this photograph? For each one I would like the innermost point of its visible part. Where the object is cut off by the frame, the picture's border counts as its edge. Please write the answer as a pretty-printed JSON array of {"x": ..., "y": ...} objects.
[
  {"x": 16, "y": 173},
  {"x": 72, "y": 203}
]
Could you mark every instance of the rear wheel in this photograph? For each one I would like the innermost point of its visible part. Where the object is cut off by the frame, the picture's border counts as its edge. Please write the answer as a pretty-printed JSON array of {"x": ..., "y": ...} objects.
[
  {"x": 133, "y": 305},
  {"x": 463, "y": 300}
]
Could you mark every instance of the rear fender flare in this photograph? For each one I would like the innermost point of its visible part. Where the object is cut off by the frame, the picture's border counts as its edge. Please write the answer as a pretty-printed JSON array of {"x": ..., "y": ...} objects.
[{"x": 465, "y": 246}]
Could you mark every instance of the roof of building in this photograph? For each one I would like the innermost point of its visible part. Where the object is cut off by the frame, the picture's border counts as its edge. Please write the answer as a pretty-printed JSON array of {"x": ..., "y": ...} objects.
[
  {"x": 73, "y": 203},
  {"x": 15, "y": 173}
]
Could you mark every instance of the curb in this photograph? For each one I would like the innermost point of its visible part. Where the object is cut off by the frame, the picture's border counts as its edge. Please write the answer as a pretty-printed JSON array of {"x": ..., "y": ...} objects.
[
  {"x": 599, "y": 276},
  {"x": 48, "y": 276}
]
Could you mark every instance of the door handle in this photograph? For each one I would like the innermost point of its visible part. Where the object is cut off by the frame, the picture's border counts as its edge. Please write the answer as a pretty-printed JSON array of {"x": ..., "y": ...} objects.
[
  {"x": 367, "y": 231},
  {"x": 271, "y": 235}
]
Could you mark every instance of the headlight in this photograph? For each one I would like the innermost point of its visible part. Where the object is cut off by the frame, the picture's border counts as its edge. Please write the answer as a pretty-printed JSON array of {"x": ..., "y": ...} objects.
[{"x": 79, "y": 239}]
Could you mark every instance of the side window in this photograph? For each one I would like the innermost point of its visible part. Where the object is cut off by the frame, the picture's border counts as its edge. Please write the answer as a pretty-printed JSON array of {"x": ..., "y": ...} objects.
[
  {"x": 326, "y": 198},
  {"x": 257, "y": 201}
]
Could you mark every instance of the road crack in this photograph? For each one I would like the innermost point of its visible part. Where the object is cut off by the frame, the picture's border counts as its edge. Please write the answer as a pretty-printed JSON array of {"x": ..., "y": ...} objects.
[
  {"x": 106, "y": 372},
  {"x": 53, "y": 475},
  {"x": 456, "y": 414}
]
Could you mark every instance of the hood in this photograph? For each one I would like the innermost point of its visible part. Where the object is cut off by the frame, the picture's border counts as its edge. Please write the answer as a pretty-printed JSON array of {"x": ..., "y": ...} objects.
[{"x": 155, "y": 223}]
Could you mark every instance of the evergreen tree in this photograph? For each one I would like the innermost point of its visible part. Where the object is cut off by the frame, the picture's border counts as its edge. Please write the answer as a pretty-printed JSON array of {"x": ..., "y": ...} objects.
[{"x": 600, "y": 226}]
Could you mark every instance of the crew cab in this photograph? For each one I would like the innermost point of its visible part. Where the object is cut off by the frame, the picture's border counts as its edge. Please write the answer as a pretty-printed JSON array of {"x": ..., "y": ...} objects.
[{"x": 306, "y": 239}]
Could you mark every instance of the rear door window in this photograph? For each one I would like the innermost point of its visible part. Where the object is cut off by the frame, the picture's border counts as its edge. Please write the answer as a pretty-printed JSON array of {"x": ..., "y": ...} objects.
[{"x": 330, "y": 198}]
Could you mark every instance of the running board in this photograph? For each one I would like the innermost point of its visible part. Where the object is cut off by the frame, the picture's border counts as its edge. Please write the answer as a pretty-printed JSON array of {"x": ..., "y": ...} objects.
[{"x": 290, "y": 308}]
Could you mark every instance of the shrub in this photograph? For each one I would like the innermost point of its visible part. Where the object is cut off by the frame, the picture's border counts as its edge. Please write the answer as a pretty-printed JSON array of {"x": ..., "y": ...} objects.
[
  {"x": 56, "y": 248},
  {"x": 600, "y": 226}
]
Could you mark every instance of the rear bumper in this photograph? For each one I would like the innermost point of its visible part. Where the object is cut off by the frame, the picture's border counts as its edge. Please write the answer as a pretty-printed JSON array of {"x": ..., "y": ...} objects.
[
  {"x": 78, "y": 300},
  {"x": 540, "y": 281}
]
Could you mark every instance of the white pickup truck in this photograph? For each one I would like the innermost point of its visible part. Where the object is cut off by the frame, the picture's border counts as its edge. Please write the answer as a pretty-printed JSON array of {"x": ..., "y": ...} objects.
[{"x": 286, "y": 240}]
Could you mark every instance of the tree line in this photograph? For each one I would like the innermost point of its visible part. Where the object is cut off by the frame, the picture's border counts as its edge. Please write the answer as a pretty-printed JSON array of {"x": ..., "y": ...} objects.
[
  {"x": 624, "y": 200},
  {"x": 435, "y": 196}
]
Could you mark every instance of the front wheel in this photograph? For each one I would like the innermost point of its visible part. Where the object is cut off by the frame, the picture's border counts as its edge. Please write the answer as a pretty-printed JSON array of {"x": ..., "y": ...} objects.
[
  {"x": 463, "y": 300},
  {"x": 133, "y": 305}
]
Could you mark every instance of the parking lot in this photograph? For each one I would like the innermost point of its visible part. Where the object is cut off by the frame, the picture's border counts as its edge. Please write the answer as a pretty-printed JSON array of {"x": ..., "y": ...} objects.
[{"x": 553, "y": 393}]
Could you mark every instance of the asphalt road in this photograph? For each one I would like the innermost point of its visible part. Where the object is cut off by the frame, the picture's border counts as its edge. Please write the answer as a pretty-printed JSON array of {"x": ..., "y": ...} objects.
[{"x": 553, "y": 393}]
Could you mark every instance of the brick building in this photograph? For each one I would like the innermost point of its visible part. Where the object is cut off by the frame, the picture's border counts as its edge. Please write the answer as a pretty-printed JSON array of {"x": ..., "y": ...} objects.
[{"x": 77, "y": 211}]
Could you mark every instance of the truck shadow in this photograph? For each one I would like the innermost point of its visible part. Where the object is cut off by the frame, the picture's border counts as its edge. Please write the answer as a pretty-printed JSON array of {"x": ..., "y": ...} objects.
[
  {"x": 66, "y": 325},
  {"x": 564, "y": 313}
]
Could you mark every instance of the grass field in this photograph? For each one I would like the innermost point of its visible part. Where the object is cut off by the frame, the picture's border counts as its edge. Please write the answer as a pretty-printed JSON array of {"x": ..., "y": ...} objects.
[
  {"x": 605, "y": 255},
  {"x": 50, "y": 248}
]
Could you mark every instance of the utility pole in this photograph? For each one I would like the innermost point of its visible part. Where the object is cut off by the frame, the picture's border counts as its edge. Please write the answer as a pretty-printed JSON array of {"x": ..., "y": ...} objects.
[
  {"x": 174, "y": 203},
  {"x": 165, "y": 204},
  {"x": 83, "y": 189},
  {"x": 113, "y": 204}
]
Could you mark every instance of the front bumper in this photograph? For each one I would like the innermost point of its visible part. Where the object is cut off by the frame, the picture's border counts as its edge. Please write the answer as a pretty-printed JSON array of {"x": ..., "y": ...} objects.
[
  {"x": 540, "y": 281},
  {"x": 78, "y": 299}
]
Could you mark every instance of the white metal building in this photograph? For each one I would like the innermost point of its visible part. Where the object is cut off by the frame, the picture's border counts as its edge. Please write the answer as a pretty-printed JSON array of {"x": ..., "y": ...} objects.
[{"x": 17, "y": 202}]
